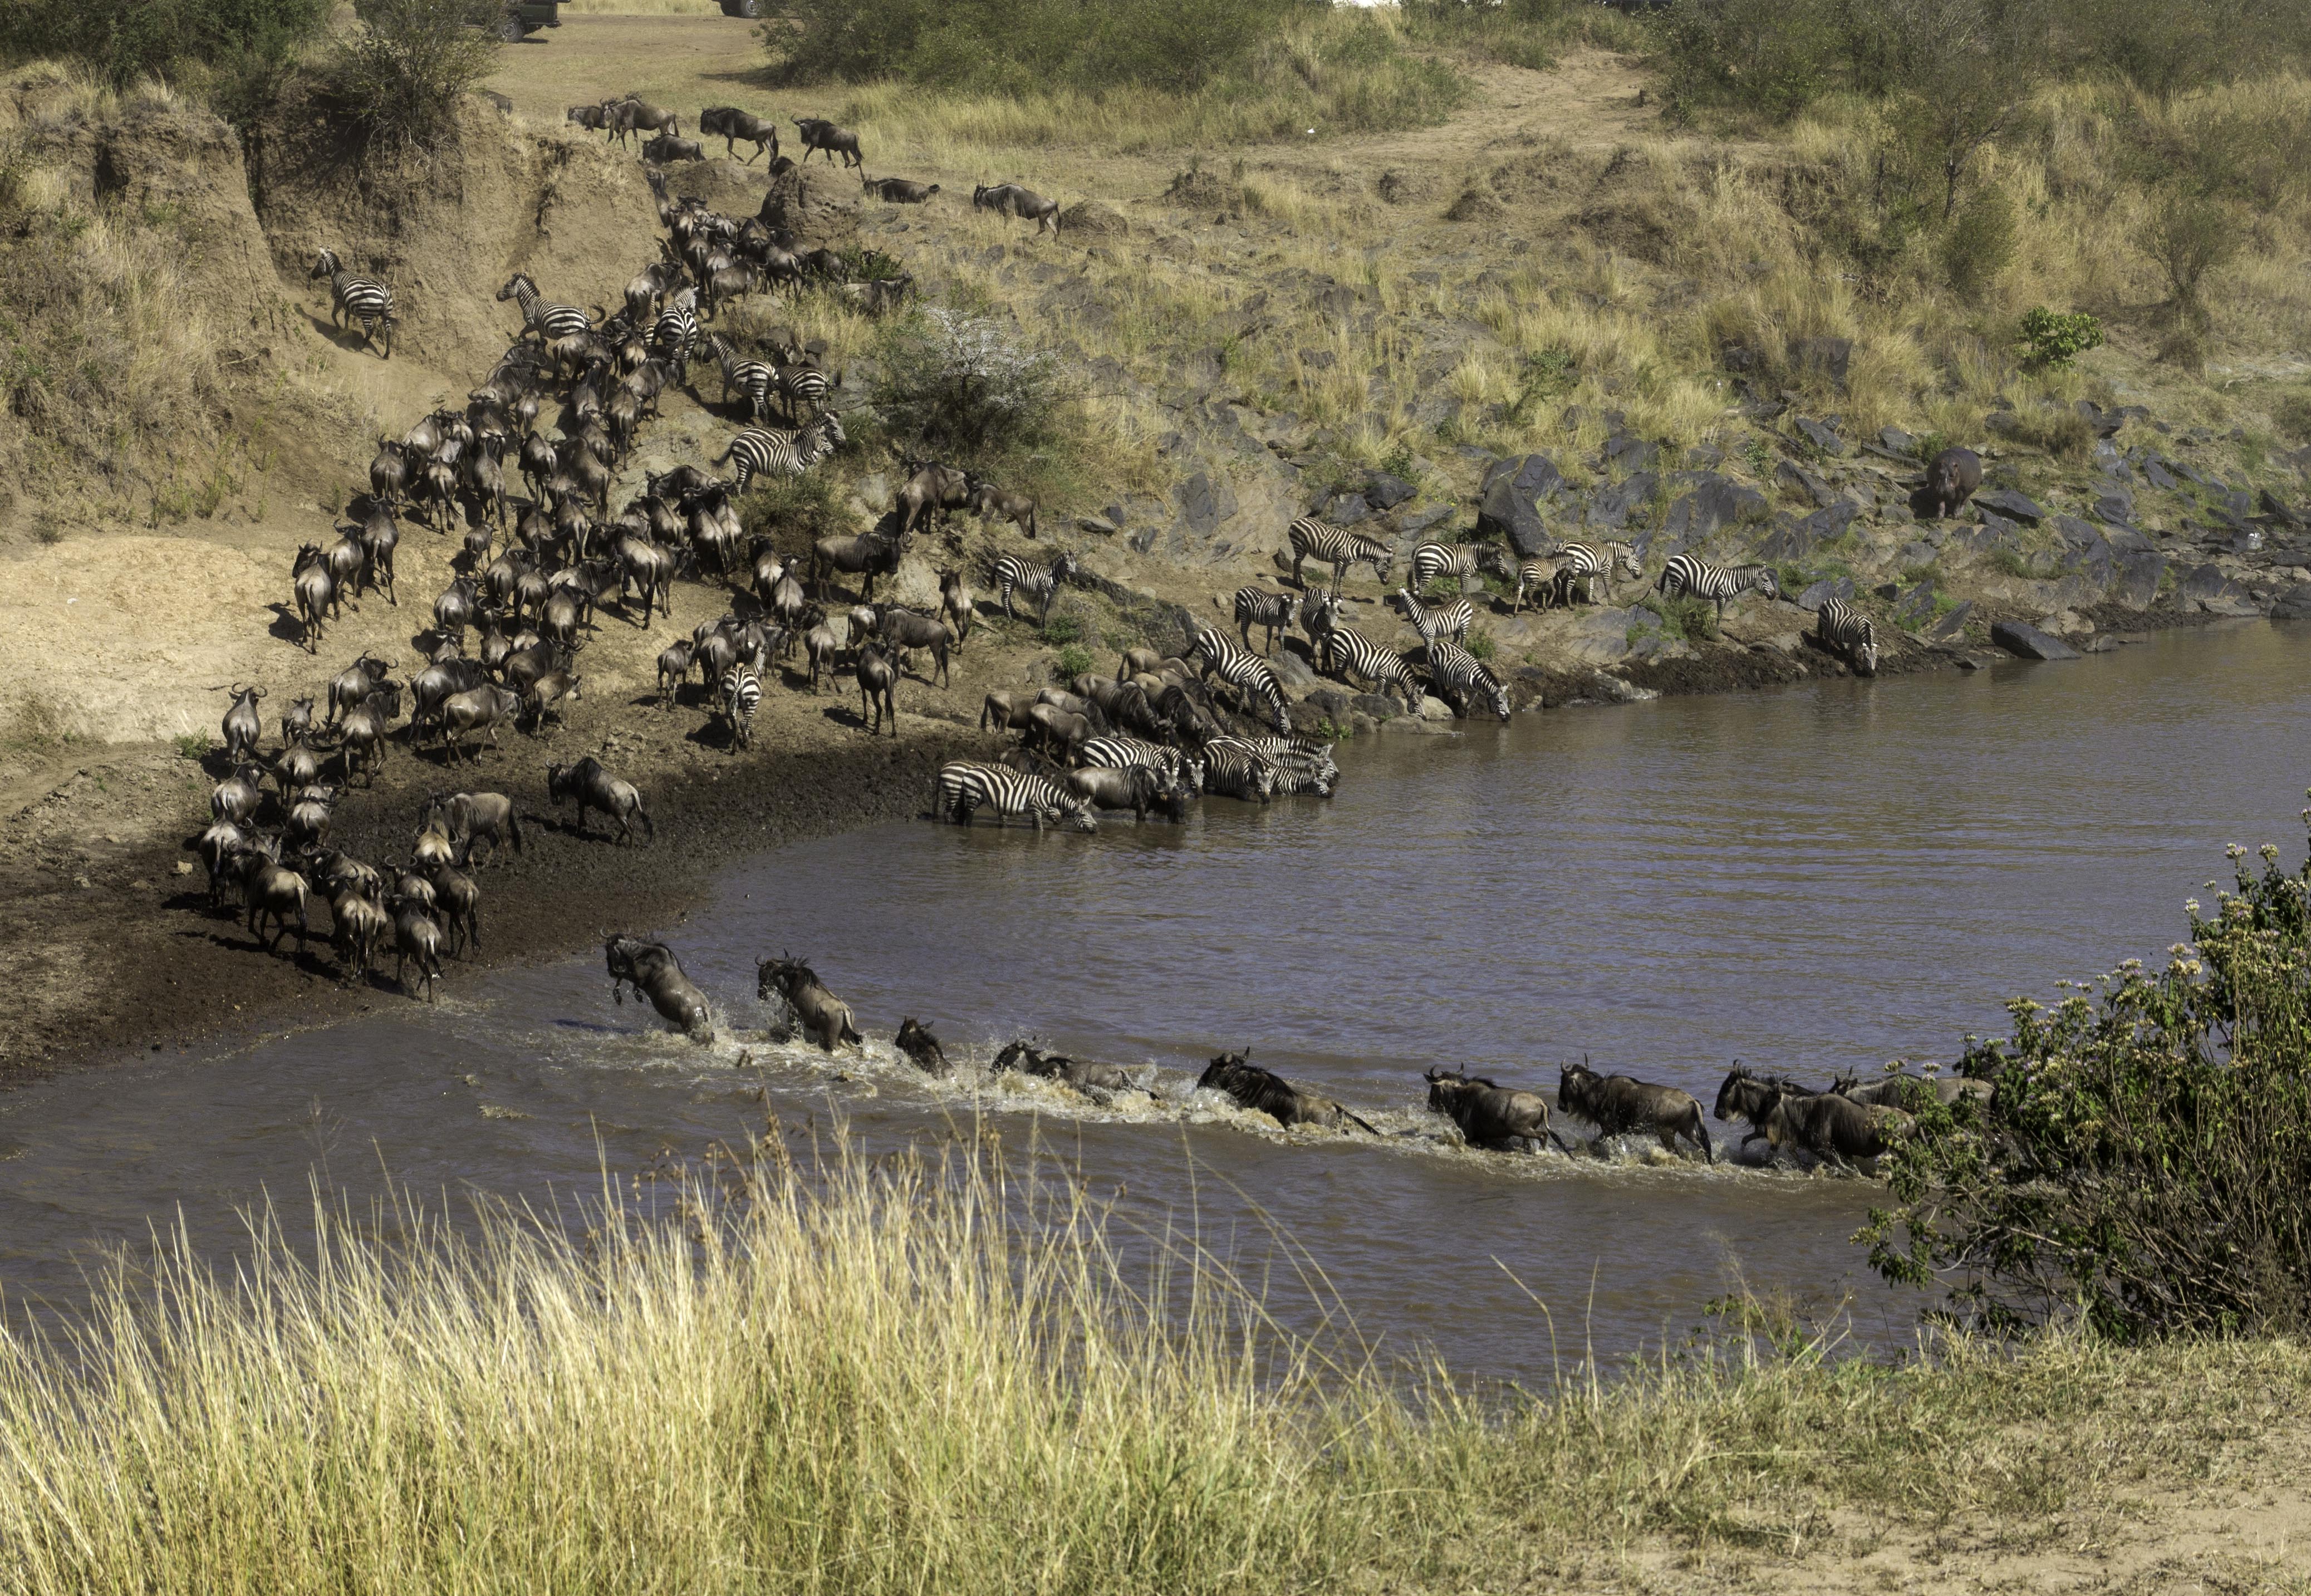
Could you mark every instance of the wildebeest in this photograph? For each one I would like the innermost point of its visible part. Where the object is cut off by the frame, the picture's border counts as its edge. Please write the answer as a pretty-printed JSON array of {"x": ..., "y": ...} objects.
[
  {"x": 665, "y": 147},
  {"x": 897, "y": 191},
  {"x": 654, "y": 972},
  {"x": 902, "y": 630},
  {"x": 867, "y": 555},
  {"x": 237, "y": 796},
  {"x": 820, "y": 134},
  {"x": 415, "y": 935},
  {"x": 820, "y": 1012},
  {"x": 243, "y": 726},
  {"x": 1900, "y": 1090},
  {"x": 1266, "y": 1092},
  {"x": 1009, "y": 199},
  {"x": 956, "y": 604},
  {"x": 931, "y": 490},
  {"x": 477, "y": 708},
  {"x": 734, "y": 124},
  {"x": 466, "y": 818},
  {"x": 879, "y": 679},
  {"x": 1745, "y": 1094},
  {"x": 1085, "y": 1074},
  {"x": 357, "y": 927},
  {"x": 593, "y": 788},
  {"x": 316, "y": 590},
  {"x": 457, "y": 901},
  {"x": 1951, "y": 478},
  {"x": 919, "y": 1046},
  {"x": 988, "y": 500},
  {"x": 1005, "y": 712},
  {"x": 1491, "y": 1115},
  {"x": 629, "y": 114},
  {"x": 1134, "y": 788},
  {"x": 1618, "y": 1103},
  {"x": 272, "y": 892},
  {"x": 1831, "y": 1127}
]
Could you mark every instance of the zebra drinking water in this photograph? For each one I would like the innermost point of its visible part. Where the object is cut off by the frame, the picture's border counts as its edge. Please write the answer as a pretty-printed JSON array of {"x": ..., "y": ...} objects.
[
  {"x": 1845, "y": 630},
  {"x": 1012, "y": 572},
  {"x": 963, "y": 785},
  {"x": 357, "y": 299},
  {"x": 1460, "y": 679},
  {"x": 1116, "y": 752},
  {"x": 1689, "y": 573},
  {"x": 1244, "y": 671},
  {"x": 1262, "y": 607},
  {"x": 1339, "y": 547},
  {"x": 764, "y": 451},
  {"x": 549, "y": 322}
]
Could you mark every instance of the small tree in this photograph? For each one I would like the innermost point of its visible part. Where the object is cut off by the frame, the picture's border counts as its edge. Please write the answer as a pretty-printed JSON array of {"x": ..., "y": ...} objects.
[
  {"x": 964, "y": 383},
  {"x": 400, "y": 73},
  {"x": 2191, "y": 235}
]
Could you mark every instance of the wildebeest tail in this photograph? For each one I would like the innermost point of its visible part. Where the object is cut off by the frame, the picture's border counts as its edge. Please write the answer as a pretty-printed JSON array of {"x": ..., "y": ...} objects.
[{"x": 1368, "y": 1126}]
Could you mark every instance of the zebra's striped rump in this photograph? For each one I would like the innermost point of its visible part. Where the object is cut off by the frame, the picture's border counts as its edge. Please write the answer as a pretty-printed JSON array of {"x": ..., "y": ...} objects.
[
  {"x": 1346, "y": 650},
  {"x": 1451, "y": 619},
  {"x": 761, "y": 451},
  {"x": 1013, "y": 574},
  {"x": 965, "y": 785},
  {"x": 1461, "y": 680},
  {"x": 1431, "y": 562},
  {"x": 742, "y": 692}
]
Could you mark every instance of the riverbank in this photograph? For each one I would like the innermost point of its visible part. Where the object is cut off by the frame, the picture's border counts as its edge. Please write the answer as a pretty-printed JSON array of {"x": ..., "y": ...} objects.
[{"x": 767, "y": 1382}]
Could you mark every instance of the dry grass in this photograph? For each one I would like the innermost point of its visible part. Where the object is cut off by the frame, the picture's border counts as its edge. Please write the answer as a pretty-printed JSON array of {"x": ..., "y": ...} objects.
[
  {"x": 644, "y": 8},
  {"x": 911, "y": 1374}
]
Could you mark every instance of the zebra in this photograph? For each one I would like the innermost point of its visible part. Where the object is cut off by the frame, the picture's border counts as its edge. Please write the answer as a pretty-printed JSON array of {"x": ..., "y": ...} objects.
[
  {"x": 965, "y": 784},
  {"x": 549, "y": 322},
  {"x": 1451, "y": 620},
  {"x": 1579, "y": 561},
  {"x": 1845, "y": 630},
  {"x": 1238, "y": 773},
  {"x": 1300, "y": 765},
  {"x": 761, "y": 451},
  {"x": 1431, "y": 561},
  {"x": 1245, "y": 671},
  {"x": 1257, "y": 606},
  {"x": 1346, "y": 650},
  {"x": 1536, "y": 577},
  {"x": 1012, "y": 572},
  {"x": 755, "y": 378},
  {"x": 357, "y": 299},
  {"x": 742, "y": 691},
  {"x": 673, "y": 336},
  {"x": 1320, "y": 540},
  {"x": 1460, "y": 678},
  {"x": 1689, "y": 573},
  {"x": 802, "y": 387},
  {"x": 1116, "y": 752}
]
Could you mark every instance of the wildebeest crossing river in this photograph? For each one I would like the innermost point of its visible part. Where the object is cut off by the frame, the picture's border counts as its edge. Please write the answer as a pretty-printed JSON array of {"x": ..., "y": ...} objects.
[{"x": 1816, "y": 880}]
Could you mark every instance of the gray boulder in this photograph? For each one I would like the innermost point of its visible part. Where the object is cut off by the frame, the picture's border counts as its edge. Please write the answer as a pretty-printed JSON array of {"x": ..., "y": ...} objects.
[
  {"x": 2019, "y": 637},
  {"x": 1384, "y": 492},
  {"x": 1821, "y": 592},
  {"x": 2013, "y": 504},
  {"x": 2139, "y": 576},
  {"x": 1716, "y": 503},
  {"x": 1512, "y": 492},
  {"x": 1823, "y": 438}
]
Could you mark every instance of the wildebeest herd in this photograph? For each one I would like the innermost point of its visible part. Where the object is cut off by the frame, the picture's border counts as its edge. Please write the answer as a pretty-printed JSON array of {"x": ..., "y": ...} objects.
[{"x": 1840, "y": 1125}]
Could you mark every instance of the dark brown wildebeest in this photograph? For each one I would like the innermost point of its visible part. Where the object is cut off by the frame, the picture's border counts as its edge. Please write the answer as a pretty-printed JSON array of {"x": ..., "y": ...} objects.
[
  {"x": 466, "y": 818},
  {"x": 865, "y": 555},
  {"x": 919, "y": 1046},
  {"x": 272, "y": 892},
  {"x": 956, "y": 604},
  {"x": 1491, "y": 1115},
  {"x": 1005, "y": 712},
  {"x": 1951, "y": 479},
  {"x": 897, "y": 191},
  {"x": 793, "y": 983},
  {"x": 415, "y": 935},
  {"x": 878, "y": 681},
  {"x": 1009, "y": 199},
  {"x": 593, "y": 788},
  {"x": 1619, "y": 1103},
  {"x": 821, "y": 134},
  {"x": 654, "y": 972},
  {"x": 988, "y": 500},
  {"x": 1136, "y": 788},
  {"x": 931, "y": 490},
  {"x": 903, "y": 630},
  {"x": 734, "y": 124},
  {"x": 1831, "y": 1127},
  {"x": 1745, "y": 1094},
  {"x": 1085, "y": 1074},
  {"x": 1263, "y": 1091}
]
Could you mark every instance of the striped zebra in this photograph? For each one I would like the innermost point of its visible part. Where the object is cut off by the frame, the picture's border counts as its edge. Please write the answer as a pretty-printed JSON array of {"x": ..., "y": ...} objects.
[
  {"x": 1351, "y": 653},
  {"x": 963, "y": 785},
  {"x": 801, "y": 388},
  {"x": 1262, "y": 607},
  {"x": 1450, "y": 619},
  {"x": 1579, "y": 563},
  {"x": 1117, "y": 752},
  {"x": 1312, "y": 539},
  {"x": 1689, "y": 573},
  {"x": 1845, "y": 630},
  {"x": 1460, "y": 679},
  {"x": 755, "y": 378},
  {"x": 1244, "y": 671},
  {"x": 549, "y": 322},
  {"x": 1237, "y": 772},
  {"x": 673, "y": 336},
  {"x": 1434, "y": 560},
  {"x": 1013, "y": 573},
  {"x": 1301, "y": 766},
  {"x": 764, "y": 452},
  {"x": 357, "y": 299},
  {"x": 742, "y": 692},
  {"x": 1538, "y": 577}
]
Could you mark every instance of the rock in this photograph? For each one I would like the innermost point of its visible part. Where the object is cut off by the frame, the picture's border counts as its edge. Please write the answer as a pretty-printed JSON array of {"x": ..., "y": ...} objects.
[
  {"x": 1092, "y": 220},
  {"x": 1292, "y": 672},
  {"x": 1415, "y": 521},
  {"x": 2011, "y": 503},
  {"x": 2208, "y": 589},
  {"x": 1789, "y": 474},
  {"x": 1821, "y": 592},
  {"x": 184, "y": 867},
  {"x": 1345, "y": 510},
  {"x": 2293, "y": 605},
  {"x": 1097, "y": 524},
  {"x": 1601, "y": 636},
  {"x": 2020, "y": 638},
  {"x": 2278, "y": 510},
  {"x": 1822, "y": 437},
  {"x": 1826, "y": 357},
  {"x": 1716, "y": 503},
  {"x": 1612, "y": 689},
  {"x": 1434, "y": 709},
  {"x": 1510, "y": 508},
  {"x": 1205, "y": 503},
  {"x": 2139, "y": 576},
  {"x": 817, "y": 208},
  {"x": 1896, "y": 440},
  {"x": 1952, "y": 624},
  {"x": 1632, "y": 454},
  {"x": 1376, "y": 705},
  {"x": 1384, "y": 492},
  {"x": 1916, "y": 608},
  {"x": 1610, "y": 508},
  {"x": 2156, "y": 474}
]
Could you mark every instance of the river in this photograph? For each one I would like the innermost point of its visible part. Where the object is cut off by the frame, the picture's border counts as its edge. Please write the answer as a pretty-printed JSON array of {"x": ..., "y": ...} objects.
[{"x": 1817, "y": 878}]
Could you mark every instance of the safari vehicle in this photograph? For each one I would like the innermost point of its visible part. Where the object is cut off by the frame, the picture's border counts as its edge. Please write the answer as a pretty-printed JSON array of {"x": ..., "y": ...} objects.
[
  {"x": 516, "y": 19},
  {"x": 749, "y": 9}
]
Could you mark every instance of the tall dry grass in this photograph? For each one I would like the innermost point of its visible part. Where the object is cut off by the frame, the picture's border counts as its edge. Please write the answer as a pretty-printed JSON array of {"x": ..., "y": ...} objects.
[{"x": 925, "y": 1372}]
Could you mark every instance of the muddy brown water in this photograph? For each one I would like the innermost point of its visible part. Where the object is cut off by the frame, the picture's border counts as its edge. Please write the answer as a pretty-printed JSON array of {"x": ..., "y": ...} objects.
[{"x": 1817, "y": 878}]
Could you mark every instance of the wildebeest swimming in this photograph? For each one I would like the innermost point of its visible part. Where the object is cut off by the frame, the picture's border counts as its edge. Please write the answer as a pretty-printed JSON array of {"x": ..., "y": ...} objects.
[
  {"x": 1264, "y": 1091},
  {"x": 654, "y": 972},
  {"x": 1082, "y": 1074},
  {"x": 1490, "y": 1115},
  {"x": 819, "y": 1011},
  {"x": 1619, "y": 1103}
]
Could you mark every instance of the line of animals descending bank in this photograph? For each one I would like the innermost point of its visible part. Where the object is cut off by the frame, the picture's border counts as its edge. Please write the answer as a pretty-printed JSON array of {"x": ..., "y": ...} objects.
[{"x": 1847, "y": 1123}]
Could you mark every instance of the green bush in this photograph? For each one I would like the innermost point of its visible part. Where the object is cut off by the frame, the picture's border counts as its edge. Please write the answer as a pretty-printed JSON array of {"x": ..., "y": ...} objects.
[
  {"x": 1481, "y": 644},
  {"x": 968, "y": 388},
  {"x": 402, "y": 71},
  {"x": 2052, "y": 338},
  {"x": 1515, "y": 32},
  {"x": 1771, "y": 57},
  {"x": 2144, "y": 1158},
  {"x": 1979, "y": 245},
  {"x": 194, "y": 746},
  {"x": 2191, "y": 235},
  {"x": 126, "y": 40},
  {"x": 1074, "y": 661},
  {"x": 1063, "y": 629},
  {"x": 794, "y": 511}
]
